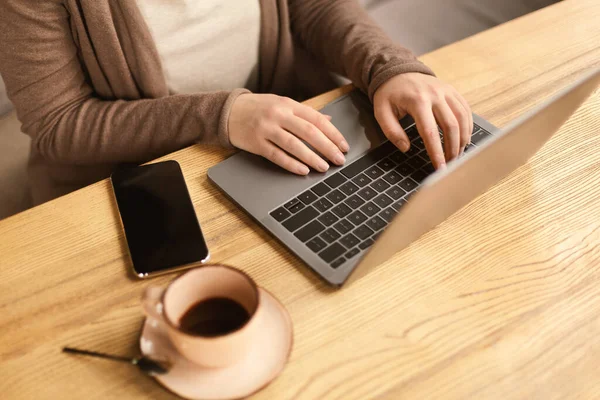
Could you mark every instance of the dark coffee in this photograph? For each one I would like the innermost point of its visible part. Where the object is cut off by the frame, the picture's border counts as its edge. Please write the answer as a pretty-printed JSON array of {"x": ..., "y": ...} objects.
[{"x": 214, "y": 317}]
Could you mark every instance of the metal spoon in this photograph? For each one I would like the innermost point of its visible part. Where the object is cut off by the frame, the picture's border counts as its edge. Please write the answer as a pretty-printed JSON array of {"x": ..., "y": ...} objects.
[{"x": 146, "y": 365}]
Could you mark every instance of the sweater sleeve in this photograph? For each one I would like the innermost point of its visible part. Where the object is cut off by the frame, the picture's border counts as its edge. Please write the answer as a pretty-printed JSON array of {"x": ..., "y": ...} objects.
[
  {"x": 342, "y": 35},
  {"x": 67, "y": 121}
]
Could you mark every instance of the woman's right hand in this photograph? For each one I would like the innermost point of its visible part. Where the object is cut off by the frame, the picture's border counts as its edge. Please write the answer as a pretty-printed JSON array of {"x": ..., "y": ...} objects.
[{"x": 275, "y": 127}]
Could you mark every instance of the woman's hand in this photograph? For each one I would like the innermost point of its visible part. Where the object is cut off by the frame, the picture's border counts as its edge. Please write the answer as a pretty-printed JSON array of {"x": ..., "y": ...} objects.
[
  {"x": 427, "y": 100},
  {"x": 275, "y": 127}
]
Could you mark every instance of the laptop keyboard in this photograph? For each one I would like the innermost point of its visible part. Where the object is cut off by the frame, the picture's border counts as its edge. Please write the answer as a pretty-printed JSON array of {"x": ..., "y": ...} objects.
[{"x": 342, "y": 216}]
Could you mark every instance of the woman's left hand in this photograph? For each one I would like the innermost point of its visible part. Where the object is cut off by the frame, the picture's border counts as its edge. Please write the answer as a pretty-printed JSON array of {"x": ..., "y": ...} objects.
[{"x": 431, "y": 103}]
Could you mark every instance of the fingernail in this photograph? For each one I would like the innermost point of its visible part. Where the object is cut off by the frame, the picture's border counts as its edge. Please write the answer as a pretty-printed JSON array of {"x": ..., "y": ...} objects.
[
  {"x": 344, "y": 146},
  {"x": 329, "y": 117},
  {"x": 303, "y": 170},
  {"x": 339, "y": 159},
  {"x": 323, "y": 166},
  {"x": 462, "y": 151},
  {"x": 402, "y": 145},
  {"x": 442, "y": 166}
]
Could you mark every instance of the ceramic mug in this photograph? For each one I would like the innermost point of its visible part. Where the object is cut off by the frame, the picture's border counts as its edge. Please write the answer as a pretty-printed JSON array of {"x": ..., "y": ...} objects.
[{"x": 168, "y": 305}]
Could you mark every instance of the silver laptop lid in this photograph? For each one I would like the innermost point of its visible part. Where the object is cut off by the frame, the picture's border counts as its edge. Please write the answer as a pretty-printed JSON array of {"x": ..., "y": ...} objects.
[{"x": 477, "y": 171}]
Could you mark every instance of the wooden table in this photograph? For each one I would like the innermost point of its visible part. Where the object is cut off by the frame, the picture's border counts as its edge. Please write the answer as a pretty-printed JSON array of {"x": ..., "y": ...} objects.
[{"x": 500, "y": 301}]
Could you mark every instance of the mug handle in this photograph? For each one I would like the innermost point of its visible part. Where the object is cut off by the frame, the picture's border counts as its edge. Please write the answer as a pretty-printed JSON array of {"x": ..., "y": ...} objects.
[{"x": 152, "y": 303}]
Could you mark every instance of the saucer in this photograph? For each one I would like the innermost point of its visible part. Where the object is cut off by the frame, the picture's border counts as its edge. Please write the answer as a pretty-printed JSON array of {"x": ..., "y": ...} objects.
[{"x": 263, "y": 363}]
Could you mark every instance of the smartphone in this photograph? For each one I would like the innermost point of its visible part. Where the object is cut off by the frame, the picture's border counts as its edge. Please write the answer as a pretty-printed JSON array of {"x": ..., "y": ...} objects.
[{"x": 161, "y": 228}]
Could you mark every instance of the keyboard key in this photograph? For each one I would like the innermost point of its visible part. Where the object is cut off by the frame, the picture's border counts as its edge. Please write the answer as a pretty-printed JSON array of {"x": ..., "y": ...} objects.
[
  {"x": 322, "y": 205},
  {"x": 307, "y": 197},
  {"x": 409, "y": 195},
  {"x": 336, "y": 196},
  {"x": 413, "y": 151},
  {"x": 398, "y": 205},
  {"x": 412, "y": 132},
  {"x": 382, "y": 200},
  {"x": 337, "y": 263},
  {"x": 419, "y": 176},
  {"x": 376, "y": 223},
  {"x": 343, "y": 227},
  {"x": 417, "y": 162},
  {"x": 300, "y": 219},
  {"x": 398, "y": 157},
  {"x": 359, "y": 166},
  {"x": 380, "y": 185},
  {"x": 362, "y": 232},
  {"x": 388, "y": 214},
  {"x": 328, "y": 219},
  {"x": 366, "y": 244},
  {"x": 408, "y": 184},
  {"x": 361, "y": 180},
  {"x": 370, "y": 209},
  {"x": 321, "y": 189},
  {"x": 349, "y": 188},
  {"x": 395, "y": 192},
  {"x": 393, "y": 177},
  {"x": 470, "y": 147},
  {"x": 335, "y": 180},
  {"x": 352, "y": 253},
  {"x": 418, "y": 143},
  {"x": 367, "y": 193},
  {"x": 349, "y": 241},
  {"x": 354, "y": 202},
  {"x": 386, "y": 164},
  {"x": 341, "y": 210},
  {"x": 374, "y": 172},
  {"x": 280, "y": 214},
  {"x": 291, "y": 203},
  {"x": 405, "y": 169},
  {"x": 330, "y": 235},
  {"x": 309, "y": 230},
  {"x": 332, "y": 252},
  {"x": 316, "y": 245},
  {"x": 428, "y": 168},
  {"x": 357, "y": 218},
  {"x": 372, "y": 157},
  {"x": 295, "y": 208},
  {"x": 376, "y": 236},
  {"x": 478, "y": 136}
]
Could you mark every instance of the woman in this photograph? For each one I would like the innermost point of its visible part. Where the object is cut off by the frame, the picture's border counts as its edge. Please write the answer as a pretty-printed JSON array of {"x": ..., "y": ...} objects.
[{"x": 102, "y": 82}]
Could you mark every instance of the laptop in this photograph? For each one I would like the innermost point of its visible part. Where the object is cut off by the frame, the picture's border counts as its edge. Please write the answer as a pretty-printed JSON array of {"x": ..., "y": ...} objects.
[{"x": 345, "y": 222}]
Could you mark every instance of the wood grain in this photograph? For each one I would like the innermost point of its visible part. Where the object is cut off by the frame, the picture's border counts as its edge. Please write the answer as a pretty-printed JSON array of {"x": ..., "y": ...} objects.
[{"x": 500, "y": 301}]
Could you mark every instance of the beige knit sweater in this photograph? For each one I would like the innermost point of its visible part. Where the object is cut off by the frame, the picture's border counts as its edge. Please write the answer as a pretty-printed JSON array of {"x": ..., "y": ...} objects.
[{"x": 88, "y": 85}]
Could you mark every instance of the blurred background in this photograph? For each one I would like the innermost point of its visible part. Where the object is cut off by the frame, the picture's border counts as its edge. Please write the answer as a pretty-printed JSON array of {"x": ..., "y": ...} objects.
[{"x": 421, "y": 25}]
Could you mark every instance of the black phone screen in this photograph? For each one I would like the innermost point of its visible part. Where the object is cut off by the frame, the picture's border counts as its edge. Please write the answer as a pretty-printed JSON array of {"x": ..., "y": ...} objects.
[{"x": 159, "y": 220}]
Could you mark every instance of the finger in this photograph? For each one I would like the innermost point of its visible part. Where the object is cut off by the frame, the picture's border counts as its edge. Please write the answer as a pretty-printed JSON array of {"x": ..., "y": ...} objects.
[
  {"x": 291, "y": 144},
  {"x": 469, "y": 112},
  {"x": 462, "y": 116},
  {"x": 447, "y": 121},
  {"x": 279, "y": 157},
  {"x": 427, "y": 128},
  {"x": 390, "y": 125},
  {"x": 323, "y": 124},
  {"x": 313, "y": 136}
]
